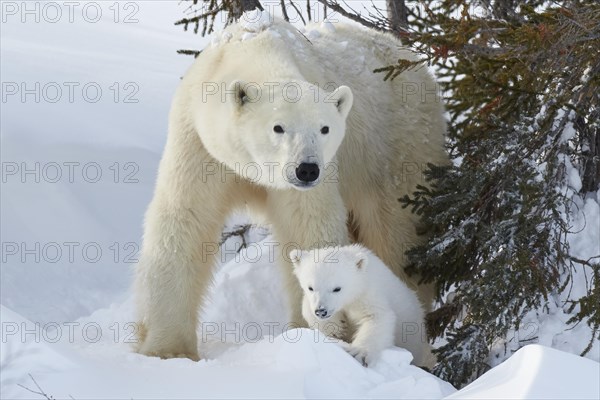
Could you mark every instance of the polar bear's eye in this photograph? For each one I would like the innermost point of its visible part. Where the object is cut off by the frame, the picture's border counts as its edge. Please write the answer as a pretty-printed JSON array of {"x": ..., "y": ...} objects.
[
  {"x": 277, "y": 129},
  {"x": 337, "y": 289},
  {"x": 310, "y": 288},
  {"x": 325, "y": 130}
]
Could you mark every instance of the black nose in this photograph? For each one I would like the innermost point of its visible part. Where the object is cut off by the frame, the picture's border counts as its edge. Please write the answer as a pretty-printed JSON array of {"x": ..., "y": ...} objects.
[
  {"x": 307, "y": 172},
  {"x": 321, "y": 312}
]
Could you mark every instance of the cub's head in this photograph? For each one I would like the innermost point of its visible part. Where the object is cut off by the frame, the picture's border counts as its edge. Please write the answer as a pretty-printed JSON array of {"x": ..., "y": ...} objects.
[
  {"x": 331, "y": 278},
  {"x": 280, "y": 134}
]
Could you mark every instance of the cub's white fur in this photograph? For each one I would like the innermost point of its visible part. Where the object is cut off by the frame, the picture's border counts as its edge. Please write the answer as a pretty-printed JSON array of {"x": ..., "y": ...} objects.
[{"x": 351, "y": 294}]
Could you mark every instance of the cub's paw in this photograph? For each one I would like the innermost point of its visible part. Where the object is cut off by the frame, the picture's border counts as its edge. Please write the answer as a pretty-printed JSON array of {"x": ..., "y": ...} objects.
[
  {"x": 336, "y": 329},
  {"x": 360, "y": 354}
]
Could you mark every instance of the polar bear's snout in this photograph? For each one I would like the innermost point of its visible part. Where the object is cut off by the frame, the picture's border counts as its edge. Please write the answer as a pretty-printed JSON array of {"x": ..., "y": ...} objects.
[
  {"x": 322, "y": 313},
  {"x": 307, "y": 172}
]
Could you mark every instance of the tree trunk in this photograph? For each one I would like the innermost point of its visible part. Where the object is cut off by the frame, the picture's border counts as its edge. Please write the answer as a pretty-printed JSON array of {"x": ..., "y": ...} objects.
[
  {"x": 591, "y": 163},
  {"x": 241, "y": 6},
  {"x": 397, "y": 15}
]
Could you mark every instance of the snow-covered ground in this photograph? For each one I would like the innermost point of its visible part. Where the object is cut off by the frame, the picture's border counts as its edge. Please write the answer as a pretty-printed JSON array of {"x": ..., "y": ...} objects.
[{"x": 85, "y": 98}]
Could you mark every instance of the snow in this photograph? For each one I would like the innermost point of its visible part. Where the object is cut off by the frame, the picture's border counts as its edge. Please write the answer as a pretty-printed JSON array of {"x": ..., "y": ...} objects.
[
  {"x": 300, "y": 363},
  {"x": 248, "y": 36},
  {"x": 80, "y": 358},
  {"x": 67, "y": 313},
  {"x": 328, "y": 26},
  {"x": 573, "y": 178},
  {"x": 537, "y": 372},
  {"x": 243, "y": 340},
  {"x": 313, "y": 34},
  {"x": 549, "y": 326},
  {"x": 256, "y": 21}
]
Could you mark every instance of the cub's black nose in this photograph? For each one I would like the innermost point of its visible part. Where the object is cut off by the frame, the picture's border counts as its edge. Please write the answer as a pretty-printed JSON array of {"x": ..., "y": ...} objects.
[
  {"x": 307, "y": 172},
  {"x": 321, "y": 312}
]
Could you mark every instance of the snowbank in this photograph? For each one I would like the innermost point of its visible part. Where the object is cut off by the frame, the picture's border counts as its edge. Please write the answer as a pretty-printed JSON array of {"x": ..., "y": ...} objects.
[
  {"x": 299, "y": 363},
  {"x": 537, "y": 372},
  {"x": 94, "y": 360}
]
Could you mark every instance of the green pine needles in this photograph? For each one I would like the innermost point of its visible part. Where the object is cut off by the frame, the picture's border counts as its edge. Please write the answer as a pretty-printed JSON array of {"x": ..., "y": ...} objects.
[{"x": 525, "y": 111}]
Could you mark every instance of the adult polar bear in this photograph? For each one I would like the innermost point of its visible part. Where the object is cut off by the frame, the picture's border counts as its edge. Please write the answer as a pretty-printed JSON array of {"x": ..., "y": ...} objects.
[{"x": 262, "y": 95}]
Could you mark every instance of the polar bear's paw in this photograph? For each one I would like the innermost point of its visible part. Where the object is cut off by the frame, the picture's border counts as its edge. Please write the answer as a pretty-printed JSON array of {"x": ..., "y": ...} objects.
[
  {"x": 340, "y": 330},
  {"x": 337, "y": 328},
  {"x": 361, "y": 354},
  {"x": 156, "y": 346},
  {"x": 164, "y": 356},
  {"x": 166, "y": 353}
]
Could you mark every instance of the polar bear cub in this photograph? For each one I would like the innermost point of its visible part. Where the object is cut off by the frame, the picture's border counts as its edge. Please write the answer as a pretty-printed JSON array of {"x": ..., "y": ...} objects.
[{"x": 350, "y": 288}]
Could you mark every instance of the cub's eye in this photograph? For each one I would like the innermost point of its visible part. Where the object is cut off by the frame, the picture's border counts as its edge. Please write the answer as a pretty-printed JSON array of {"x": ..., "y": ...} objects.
[
  {"x": 337, "y": 289},
  {"x": 310, "y": 288},
  {"x": 278, "y": 129},
  {"x": 325, "y": 130}
]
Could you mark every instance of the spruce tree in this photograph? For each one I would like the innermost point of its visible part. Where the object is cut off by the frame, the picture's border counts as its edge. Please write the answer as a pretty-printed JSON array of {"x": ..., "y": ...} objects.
[{"x": 524, "y": 105}]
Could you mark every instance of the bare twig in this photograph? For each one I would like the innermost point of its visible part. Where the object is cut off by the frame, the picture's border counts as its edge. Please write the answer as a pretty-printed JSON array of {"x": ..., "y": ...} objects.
[
  {"x": 40, "y": 392},
  {"x": 295, "y": 7},
  {"x": 239, "y": 230},
  {"x": 284, "y": 10},
  {"x": 188, "y": 52},
  {"x": 583, "y": 262}
]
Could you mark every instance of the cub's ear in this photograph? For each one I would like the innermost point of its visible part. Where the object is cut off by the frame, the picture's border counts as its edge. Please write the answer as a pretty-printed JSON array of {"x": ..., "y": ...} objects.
[
  {"x": 342, "y": 98},
  {"x": 241, "y": 93},
  {"x": 295, "y": 257},
  {"x": 361, "y": 261}
]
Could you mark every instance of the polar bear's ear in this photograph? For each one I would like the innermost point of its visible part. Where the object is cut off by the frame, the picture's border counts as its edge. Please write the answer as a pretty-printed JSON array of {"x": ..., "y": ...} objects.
[
  {"x": 295, "y": 256},
  {"x": 342, "y": 97},
  {"x": 361, "y": 261},
  {"x": 242, "y": 93}
]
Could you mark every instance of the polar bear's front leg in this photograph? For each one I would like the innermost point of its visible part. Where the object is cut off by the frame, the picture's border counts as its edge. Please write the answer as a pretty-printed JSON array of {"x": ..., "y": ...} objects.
[
  {"x": 171, "y": 277},
  {"x": 181, "y": 237},
  {"x": 305, "y": 220},
  {"x": 375, "y": 333}
]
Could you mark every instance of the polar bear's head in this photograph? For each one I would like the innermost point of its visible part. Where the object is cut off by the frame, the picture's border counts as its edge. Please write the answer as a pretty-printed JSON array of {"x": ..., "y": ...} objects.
[
  {"x": 280, "y": 134},
  {"x": 331, "y": 278}
]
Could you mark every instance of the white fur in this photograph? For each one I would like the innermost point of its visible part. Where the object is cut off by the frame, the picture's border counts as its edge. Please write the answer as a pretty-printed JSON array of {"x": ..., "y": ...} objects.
[
  {"x": 365, "y": 302},
  {"x": 220, "y": 131}
]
